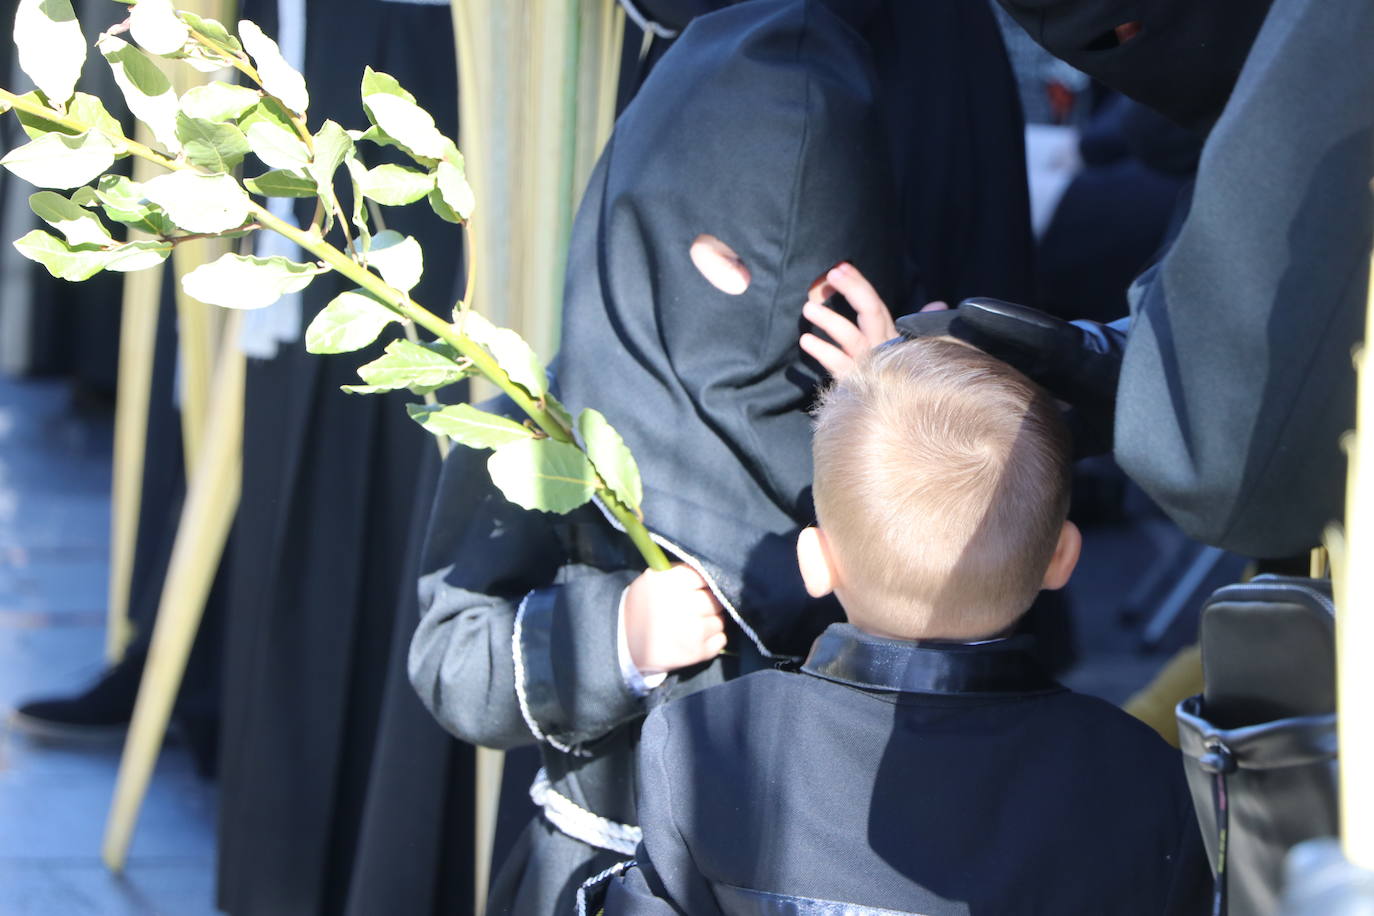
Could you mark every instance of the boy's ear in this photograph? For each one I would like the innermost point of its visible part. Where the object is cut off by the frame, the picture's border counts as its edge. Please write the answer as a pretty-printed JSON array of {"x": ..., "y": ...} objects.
[
  {"x": 813, "y": 556},
  {"x": 1065, "y": 557}
]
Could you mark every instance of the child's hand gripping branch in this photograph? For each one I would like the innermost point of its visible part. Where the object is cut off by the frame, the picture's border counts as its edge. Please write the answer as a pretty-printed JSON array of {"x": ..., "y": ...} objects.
[{"x": 672, "y": 620}]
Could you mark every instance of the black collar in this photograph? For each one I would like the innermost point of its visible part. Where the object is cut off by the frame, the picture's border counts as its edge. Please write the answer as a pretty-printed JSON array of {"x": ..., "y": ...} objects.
[{"x": 847, "y": 655}]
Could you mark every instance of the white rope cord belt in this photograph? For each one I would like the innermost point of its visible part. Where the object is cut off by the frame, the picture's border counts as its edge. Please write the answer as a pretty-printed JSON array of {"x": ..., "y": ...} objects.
[{"x": 579, "y": 823}]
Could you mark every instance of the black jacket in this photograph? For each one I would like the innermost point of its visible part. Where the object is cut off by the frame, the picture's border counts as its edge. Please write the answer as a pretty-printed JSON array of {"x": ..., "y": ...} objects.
[{"x": 913, "y": 778}]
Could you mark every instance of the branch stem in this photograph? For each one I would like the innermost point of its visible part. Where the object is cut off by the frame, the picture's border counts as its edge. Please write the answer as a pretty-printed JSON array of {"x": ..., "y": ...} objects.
[
  {"x": 237, "y": 61},
  {"x": 404, "y": 306},
  {"x": 118, "y": 139},
  {"x": 394, "y": 299},
  {"x": 178, "y": 239},
  {"x": 481, "y": 360}
]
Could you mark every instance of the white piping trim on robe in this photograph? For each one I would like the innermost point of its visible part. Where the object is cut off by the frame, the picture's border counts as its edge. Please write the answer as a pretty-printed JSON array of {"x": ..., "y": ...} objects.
[
  {"x": 518, "y": 656},
  {"x": 594, "y": 880},
  {"x": 579, "y": 823}
]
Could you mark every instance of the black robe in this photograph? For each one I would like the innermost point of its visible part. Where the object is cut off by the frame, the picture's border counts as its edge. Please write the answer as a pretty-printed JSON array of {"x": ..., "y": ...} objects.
[
  {"x": 1237, "y": 382},
  {"x": 763, "y": 125},
  {"x": 319, "y": 547}
]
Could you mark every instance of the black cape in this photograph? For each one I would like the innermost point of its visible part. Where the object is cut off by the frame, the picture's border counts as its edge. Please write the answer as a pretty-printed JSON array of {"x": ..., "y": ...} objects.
[{"x": 944, "y": 780}]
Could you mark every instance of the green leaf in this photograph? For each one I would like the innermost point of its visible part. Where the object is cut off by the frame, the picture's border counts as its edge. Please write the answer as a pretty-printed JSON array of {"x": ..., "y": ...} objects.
[
  {"x": 543, "y": 474},
  {"x": 83, "y": 108},
  {"x": 216, "y": 147},
  {"x": 375, "y": 135},
  {"x": 406, "y": 364},
  {"x": 332, "y": 146},
  {"x": 278, "y": 77},
  {"x": 356, "y": 173},
  {"x": 407, "y": 123},
  {"x": 200, "y": 58},
  {"x": 61, "y": 161},
  {"x": 468, "y": 426},
  {"x": 213, "y": 30},
  {"x": 87, "y": 109},
  {"x": 155, "y": 26},
  {"x": 555, "y": 407},
  {"x": 612, "y": 458},
  {"x": 278, "y": 148},
  {"x": 376, "y": 82},
  {"x": 350, "y": 321},
  {"x": 81, "y": 262},
  {"x": 218, "y": 101},
  {"x": 79, "y": 226},
  {"x": 199, "y": 203},
  {"x": 395, "y": 185},
  {"x": 510, "y": 351},
  {"x": 123, "y": 202},
  {"x": 441, "y": 209},
  {"x": 452, "y": 185},
  {"x": 35, "y": 126},
  {"x": 52, "y": 49},
  {"x": 147, "y": 91},
  {"x": 282, "y": 183},
  {"x": 266, "y": 113},
  {"x": 62, "y": 260},
  {"x": 397, "y": 258},
  {"x": 239, "y": 282},
  {"x": 137, "y": 255}
]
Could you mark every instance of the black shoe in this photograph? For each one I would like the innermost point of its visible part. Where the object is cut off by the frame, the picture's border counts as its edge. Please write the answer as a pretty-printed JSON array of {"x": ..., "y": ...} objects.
[{"x": 99, "y": 714}]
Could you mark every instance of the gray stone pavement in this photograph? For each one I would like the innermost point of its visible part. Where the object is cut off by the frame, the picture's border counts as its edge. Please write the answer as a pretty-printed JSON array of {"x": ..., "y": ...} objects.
[{"x": 54, "y": 554}]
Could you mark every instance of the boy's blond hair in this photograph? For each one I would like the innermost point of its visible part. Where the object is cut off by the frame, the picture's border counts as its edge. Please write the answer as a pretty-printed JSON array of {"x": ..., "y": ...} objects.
[{"x": 942, "y": 484}]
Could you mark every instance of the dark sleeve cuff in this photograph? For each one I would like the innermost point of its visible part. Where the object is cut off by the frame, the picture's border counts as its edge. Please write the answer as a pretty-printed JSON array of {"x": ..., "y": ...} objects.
[{"x": 567, "y": 668}]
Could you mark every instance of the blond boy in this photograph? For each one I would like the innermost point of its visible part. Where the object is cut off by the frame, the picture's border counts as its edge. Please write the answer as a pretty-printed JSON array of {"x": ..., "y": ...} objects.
[{"x": 919, "y": 762}]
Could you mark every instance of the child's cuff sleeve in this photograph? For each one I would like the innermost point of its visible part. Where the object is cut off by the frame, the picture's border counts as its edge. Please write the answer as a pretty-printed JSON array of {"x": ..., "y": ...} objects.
[
  {"x": 640, "y": 684},
  {"x": 566, "y": 652}
]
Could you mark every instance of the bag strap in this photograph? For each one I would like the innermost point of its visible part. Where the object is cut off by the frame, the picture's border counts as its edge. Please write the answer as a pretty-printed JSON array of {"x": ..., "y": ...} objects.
[{"x": 1220, "y": 762}]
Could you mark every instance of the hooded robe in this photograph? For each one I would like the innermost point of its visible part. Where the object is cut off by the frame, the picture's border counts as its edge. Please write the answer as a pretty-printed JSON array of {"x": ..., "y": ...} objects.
[{"x": 763, "y": 125}]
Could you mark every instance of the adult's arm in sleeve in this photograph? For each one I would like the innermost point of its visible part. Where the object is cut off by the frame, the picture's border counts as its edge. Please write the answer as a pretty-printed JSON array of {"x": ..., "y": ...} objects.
[{"x": 1237, "y": 381}]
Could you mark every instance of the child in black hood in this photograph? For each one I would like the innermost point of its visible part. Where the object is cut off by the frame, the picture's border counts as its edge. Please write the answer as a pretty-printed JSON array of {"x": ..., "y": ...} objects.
[{"x": 762, "y": 128}]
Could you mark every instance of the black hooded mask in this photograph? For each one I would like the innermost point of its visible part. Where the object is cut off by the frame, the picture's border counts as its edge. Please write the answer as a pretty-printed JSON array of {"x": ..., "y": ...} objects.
[
  {"x": 1183, "y": 61},
  {"x": 758, "y": 127}
]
